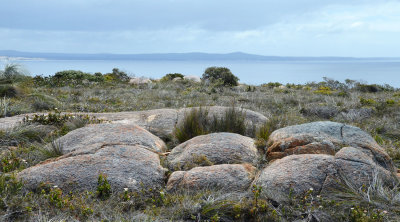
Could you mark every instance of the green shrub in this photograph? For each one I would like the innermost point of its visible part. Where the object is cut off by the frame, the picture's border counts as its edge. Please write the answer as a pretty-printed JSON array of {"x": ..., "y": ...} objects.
[
  {"x": 54, "y": 149},
  {"x": 368, "y": 88},
  {"x": 103, "y": 187},
  {"x": 194, "y": 124},
  {"x": 215, "y": 73},
  {"x": 324, "y": 90},
  {"x": 9, "y": 91},
  {"x": 367, "y": 102},
  {"x": 263, "y": 133},
  {"x": 271, "y": 85},
  {"x": 116, "y": 76},
  {"x": 232, "y": 121},
  {"x": 171, "y": 76},
  {"x": 58, "y": 119},
  {"x": 12, "y": 73},
  {"x": 197, "y": 122}
]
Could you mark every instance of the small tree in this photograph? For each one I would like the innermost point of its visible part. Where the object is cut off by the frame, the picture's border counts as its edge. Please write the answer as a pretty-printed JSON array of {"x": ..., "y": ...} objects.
[
  {"x": 215, "y": 73},
  {"x": 12, "y": 73},
  {"x": 171, "y": 76}
]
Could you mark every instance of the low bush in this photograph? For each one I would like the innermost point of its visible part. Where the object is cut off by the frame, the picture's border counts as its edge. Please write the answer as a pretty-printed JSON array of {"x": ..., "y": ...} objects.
[
  {"x": 171, "y": 76},
  {"x": 271, "y": 85},
  {"x": 58, "y": 119},
  {"x": 324, "y": 112},
  {"x": 263, "y": 133},
  {"x": 367, "y": 102},
  {"x": 9, "y": 91},
  {"x": 324, "y": 90},
  {"x": 220, "y": 73},
  {"x": 232, "y": 121},
  {"x": 195, "y": 123},
  {"x": 198, "y": 122}
]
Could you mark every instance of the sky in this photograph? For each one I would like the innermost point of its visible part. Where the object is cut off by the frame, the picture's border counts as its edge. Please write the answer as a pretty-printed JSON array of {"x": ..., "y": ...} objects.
[{"x": 357, "y": 28}]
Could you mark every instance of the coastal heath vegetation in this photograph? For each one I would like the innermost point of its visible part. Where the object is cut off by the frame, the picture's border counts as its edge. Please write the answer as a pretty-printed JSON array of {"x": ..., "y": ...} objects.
[{"x": 374, "y": 108}]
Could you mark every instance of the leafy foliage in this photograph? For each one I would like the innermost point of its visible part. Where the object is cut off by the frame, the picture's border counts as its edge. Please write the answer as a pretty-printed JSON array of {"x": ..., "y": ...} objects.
[
  {"x": 171, "y": 76},
  {"x": 220, "y": 73},
  {"x": 198, "y": 122},
  {"x": 103, "y": 187}
]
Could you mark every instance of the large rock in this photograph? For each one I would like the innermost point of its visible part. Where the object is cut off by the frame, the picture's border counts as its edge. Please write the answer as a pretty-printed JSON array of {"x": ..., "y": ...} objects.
[
  {"x": 10, "y": 122},
  {"x": 96, "y": 136},
  {"x": 295, "y": 174},
  {"x": 160, "y": 122},
  {"x": 323, "y": 138},
  {"x": 359, "y": 167},
  {"x": 351, "y": 168},
  {"x": 139, "y": 80},
  {"x": 127, "y": 166},
  {"x": 192, "y": 78},
  {"x": 225, "y": 177},
  {"x": 215, "y": 148}
]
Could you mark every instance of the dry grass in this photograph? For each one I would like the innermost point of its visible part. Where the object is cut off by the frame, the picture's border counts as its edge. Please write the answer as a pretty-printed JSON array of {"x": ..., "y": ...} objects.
[{"x": 377, "y": 113}]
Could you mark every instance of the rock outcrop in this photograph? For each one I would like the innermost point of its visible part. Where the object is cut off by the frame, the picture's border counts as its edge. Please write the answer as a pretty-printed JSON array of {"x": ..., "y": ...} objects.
[
  {"x": 95, "y": 136},
  {"x": 295, "y": 175},
  {"x": 192, "y": 78},
  {"x": 323, "y": 156},
  {"x": 160, "y": 122},
  {"x": 359, "y": 167},
  {"x": 215, "y": 148},
  {"x": 127, "y": 154},
  {"x": 323, "y": 138},
  {"x": 126, "y": 166},
  {"x": 319, "y": 156},
  {"x": 225, "y": 177}
]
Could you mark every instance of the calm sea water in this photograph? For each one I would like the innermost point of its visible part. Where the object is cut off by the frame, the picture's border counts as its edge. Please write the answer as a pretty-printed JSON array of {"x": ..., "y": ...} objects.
[{"x": 251, "y": 72}]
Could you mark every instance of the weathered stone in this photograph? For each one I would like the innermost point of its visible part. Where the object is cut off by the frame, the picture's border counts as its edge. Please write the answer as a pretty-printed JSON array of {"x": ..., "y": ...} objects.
[
  {"x": 160, "y": 122},
  {"x": 214, "y": 148},
  {"x": 359, "y": 167},
  {"x": 140, "y": 80},
  {"x": 10, "y": 122},
  {"x": 295, "y": 174},
  {"x": 325, "y": 137},
  {"x": 92, "y": 137},
  {"x": 299, "y": 144},
  {"x": 226, "y": 177},
  {"x": 192, "y": 78},
  {"x": 126, "y": 166}
]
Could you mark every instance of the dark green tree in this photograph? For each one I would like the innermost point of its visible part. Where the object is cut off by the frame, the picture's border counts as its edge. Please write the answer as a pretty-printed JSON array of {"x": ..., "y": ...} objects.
[{"x": 220, "y": 73}]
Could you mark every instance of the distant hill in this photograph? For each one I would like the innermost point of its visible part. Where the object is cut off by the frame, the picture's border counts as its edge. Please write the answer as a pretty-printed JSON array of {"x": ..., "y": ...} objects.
[{"x": 169, "y": 56}]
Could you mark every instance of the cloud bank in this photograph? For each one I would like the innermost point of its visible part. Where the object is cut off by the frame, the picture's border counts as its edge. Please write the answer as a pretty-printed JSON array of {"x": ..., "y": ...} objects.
[{"x": 361, "y": 28}]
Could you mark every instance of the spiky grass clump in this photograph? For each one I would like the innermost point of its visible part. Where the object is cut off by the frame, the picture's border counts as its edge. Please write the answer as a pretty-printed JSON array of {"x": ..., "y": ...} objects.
[{"x": 195, "y": 123}]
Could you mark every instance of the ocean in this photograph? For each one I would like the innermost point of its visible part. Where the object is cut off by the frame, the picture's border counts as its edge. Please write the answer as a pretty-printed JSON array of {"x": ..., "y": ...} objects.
[{"x": 249, "y": 72}]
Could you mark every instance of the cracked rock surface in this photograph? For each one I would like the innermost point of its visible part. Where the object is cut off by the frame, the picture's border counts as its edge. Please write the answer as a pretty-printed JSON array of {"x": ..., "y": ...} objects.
[
  {"x": 226, "y": 177},
  {"x": 214, "y": 148},
  {"x": 126, "y": 166},
  {"x": 160, "y": 122},
  {"x": 296, "y": 174},
  {"x": 97, "y": 135},
  {"x": 323, "y": 137}
]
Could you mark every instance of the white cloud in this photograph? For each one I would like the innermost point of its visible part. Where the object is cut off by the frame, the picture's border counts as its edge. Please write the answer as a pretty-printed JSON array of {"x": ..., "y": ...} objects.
[{"x": 368, "y": 29}]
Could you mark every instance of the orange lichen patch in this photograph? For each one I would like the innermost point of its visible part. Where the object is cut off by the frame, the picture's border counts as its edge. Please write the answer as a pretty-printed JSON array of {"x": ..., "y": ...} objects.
[
  {"x": 312, "y": 148},
  {"x": 275, "y": 155},
  {"x": 288, "y": 143}
]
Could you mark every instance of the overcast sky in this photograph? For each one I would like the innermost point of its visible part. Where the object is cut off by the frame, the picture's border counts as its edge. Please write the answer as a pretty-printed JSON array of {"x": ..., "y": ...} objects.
[{"x": 362, "y": 28}]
